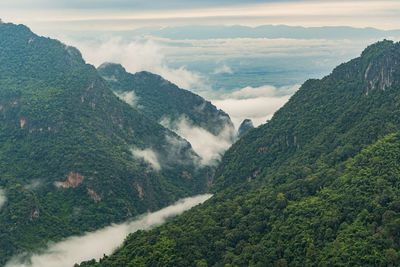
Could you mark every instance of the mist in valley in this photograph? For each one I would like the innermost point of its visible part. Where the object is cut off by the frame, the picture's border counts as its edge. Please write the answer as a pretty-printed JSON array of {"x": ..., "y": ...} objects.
[{"x": 91, "y": 245}]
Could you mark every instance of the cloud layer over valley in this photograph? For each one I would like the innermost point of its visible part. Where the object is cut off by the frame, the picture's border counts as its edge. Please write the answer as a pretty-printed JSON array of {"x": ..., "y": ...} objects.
[
  {"x": 93, "y": 245},
  {"x": 223, "y": 66},
  {"x": 257, "y": 104},
  {"x": 208, "y": 146}
]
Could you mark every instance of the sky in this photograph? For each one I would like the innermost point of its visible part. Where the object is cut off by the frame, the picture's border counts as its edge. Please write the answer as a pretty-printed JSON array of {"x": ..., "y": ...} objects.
[{"x": 47, "y": 15}]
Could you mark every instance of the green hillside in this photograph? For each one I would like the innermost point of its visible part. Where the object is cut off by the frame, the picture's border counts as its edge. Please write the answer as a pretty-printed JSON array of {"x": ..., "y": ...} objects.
[
  {"x": 318, "y": 185},
  {"x": 160, "y": 99},
  {"x": 73, "y": 157}
]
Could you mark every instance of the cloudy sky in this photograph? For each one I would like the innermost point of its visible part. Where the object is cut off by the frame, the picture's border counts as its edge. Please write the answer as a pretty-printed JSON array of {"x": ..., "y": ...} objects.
[
  {"x": 188, "y": 42},
  {"x": 127, "y": 14}
]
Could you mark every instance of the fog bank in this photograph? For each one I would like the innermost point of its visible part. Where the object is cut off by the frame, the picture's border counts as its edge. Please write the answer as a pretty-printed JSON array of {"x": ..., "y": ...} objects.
[
  {"x": 209, "y": 147},
  {"x": 93, "y": 245},
  {"x": 149, "y": 156},
  {"x": 256, "y": 103}
]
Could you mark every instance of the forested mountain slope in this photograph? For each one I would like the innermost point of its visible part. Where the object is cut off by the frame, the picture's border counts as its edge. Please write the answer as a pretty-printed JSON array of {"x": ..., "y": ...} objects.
[
  {"x": 325, "y": 122},
  {"x": 317, "y": 185},
  {"x": 352, "y": 222},
  {"x": 160, "y": 99},
  {"x": 73, "y": 157}
]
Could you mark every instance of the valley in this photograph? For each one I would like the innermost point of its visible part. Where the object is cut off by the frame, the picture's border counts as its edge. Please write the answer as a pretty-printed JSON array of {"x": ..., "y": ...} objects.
[{"x": 186, "y": 133}]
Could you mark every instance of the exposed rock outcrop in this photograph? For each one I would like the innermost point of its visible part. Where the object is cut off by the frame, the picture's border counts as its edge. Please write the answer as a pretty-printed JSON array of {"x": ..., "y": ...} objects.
[
  {"x": 73, "y": 180},
  {"x": 139, "y": 189},
  {"x": 93, "y": 195}
]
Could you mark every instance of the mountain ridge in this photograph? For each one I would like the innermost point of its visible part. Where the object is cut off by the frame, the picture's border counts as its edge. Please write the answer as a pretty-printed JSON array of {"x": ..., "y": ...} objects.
[{"x": 161, "y": 100}]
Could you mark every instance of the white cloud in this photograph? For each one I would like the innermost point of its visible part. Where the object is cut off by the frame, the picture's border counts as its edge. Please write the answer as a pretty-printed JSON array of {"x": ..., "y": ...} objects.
[
  {"x": 208, "y": 146},
  {"x": 223, "y": 69},
  {"x": 259, "y": 110},
  {"x": 175, "y": 150},
  {"x": 137, "y": 55},
  {"x": 252, "y": 92},
  {"x": 3, "y": 197},
  {"x": 34, "y": 184},
  {"x": 128, "y": 97},
  {"x": 228, "y": 48},
  {"x": 149, "y": 156},
  {"x": 93, "y": 245},
  {"x": 257, "y": 104}
]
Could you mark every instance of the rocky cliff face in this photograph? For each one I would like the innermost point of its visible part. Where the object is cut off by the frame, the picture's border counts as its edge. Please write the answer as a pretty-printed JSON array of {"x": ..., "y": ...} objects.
[
  {"x": 379, "y": 74},
  {"x": 376, "y": 68}
]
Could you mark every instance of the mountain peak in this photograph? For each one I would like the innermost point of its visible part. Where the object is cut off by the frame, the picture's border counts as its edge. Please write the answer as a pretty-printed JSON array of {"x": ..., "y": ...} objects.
[
  {"x": 245, "y": 126},
  {"x": 111, "y": 71},
  {"x": 380, "y": 62},
  {"x": 116, "y": 72},
  {"x": 376, "y": 68},
  {"x": 379, "y": 48}
]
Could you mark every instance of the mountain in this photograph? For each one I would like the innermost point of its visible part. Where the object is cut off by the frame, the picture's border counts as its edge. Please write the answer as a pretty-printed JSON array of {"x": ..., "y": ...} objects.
[
  {"x": 244, "y": 127},
  {"x": 162, "y": 100},
  {"x": 317, "y": 185},
  {"x": 73, "y": 156},
  {"x": 205, "y": 32}
]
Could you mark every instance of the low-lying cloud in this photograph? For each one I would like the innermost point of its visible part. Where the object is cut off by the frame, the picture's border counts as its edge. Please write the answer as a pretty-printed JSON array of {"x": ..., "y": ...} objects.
[
  {"x": 178, "y": 153},
  {"x": 258, "y": 104},
  {"x": 208, "y": 146},
  {"x": 223, "y": 69},
  {"x": 138, "y": 55},
  {"x": 34, "y": 184},
  {"x": 3, "y": 197},
  {"x": 93, "y": 245},
  {"x": 128, "y": 97},
  {"x": 149, "y": 156}
]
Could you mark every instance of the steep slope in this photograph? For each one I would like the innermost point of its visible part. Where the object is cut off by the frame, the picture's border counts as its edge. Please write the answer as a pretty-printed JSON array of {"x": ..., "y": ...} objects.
[
  {"x": 160, "y": 99},
  {"x": 325, "y": 122},
  {"x": 289, "y": 192},
  {"x": 353, "y": 222},
  {"x": 73, "y": 157}
]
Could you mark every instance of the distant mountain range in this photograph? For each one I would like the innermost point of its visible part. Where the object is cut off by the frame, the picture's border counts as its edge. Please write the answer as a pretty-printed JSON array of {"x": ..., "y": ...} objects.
[{"x": 204, "y": 32}]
